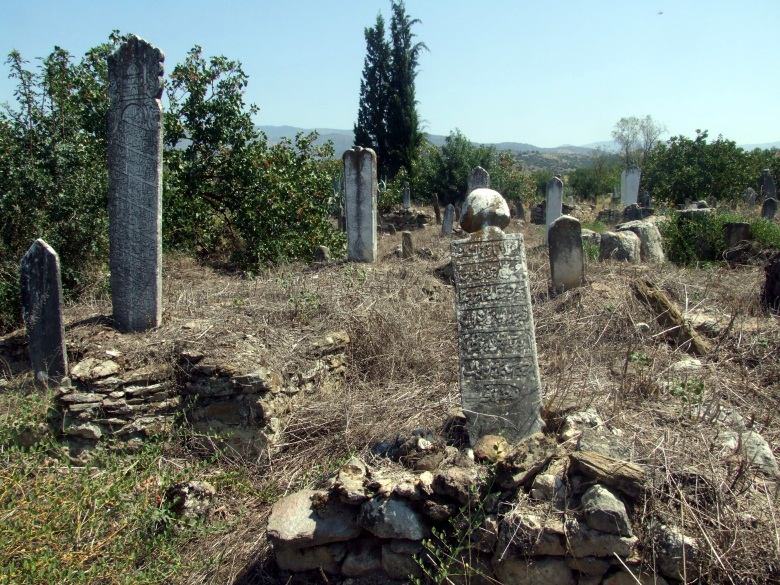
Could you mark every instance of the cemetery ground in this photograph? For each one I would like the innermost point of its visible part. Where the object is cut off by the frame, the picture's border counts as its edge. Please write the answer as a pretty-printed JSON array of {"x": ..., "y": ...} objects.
[{"x": 105, "y": 519}]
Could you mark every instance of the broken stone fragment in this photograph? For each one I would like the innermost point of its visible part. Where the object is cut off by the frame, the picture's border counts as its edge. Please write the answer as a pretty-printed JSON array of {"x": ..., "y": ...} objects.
[
  {"x": 189, "y": 499},
  {"x": 753, "y": 447},
  {"x": 457, "y": 483},
  {"x": 327, "y": 557},
  {"x": 586, "y": 542},
  {"x": 605, "y": 512},
  {"x": 525, "y": 460},
  {"x": 308, "y": 518},
  {"x": 392, "y": 518},
  {"x": 92, "y": 369},
  {"x": 675, "y": 553},
  {"x": 527, "y": 534},
  {"x": 491, "y": 448},
  {"x": 574, "y": 424},
  {"x": 349, "y": 482},
  {"x": 85, "y": 431}
]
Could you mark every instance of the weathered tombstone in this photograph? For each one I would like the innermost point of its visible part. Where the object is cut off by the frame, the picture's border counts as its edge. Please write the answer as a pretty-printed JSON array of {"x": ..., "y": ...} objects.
[
  {"x": 478, "y": 179},
  {"x": 520, "y": 210},
  {"x": 768, "y": 188},
  {"x": 499, "y": 373},
  {"x": 629, "y": 185},
  {"x": 360, "y": 199},
  {"x": 135, "y": 184},
  {"x": 407, "y": 197},
  {"x": 567, "y": 261},
  {"x": 651, "y": 249},
  {"x": 750, "y": 196},
  {"x": 448, "y": 221},
  {"x": 407, "y": 246},
  {"x": 42, "y": 311},
  {"x": 736, "y": 232},
  {"x": 623, "y": 246},
  {"x": 769, "y": 208},
  {"x": 554, "y": 203}
]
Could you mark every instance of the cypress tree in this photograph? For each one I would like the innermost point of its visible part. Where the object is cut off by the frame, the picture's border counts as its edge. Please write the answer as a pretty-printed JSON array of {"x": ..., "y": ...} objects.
[{"x": 371, "y": 127}]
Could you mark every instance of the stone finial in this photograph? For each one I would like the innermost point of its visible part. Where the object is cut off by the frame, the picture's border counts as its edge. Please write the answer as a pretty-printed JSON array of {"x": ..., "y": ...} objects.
[{"x": 484, "y": 207}]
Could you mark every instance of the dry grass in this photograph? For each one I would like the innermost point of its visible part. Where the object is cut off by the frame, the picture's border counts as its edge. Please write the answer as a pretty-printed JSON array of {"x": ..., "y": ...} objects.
[{"x": 402, "y": 374}]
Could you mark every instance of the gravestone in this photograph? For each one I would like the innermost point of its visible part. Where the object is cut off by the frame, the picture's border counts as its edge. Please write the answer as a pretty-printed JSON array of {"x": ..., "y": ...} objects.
[
  {"x": 769, "y": 208},
  {"x": 735, "y": 232},
  {"x": 567, "y": 261},
  {"x": 768, "y": 188},
  {"x": 448, "y": 221},
  {"x": 750, "y": 196},
  {"x": 134, "y": 121},
  {"x": 629, "y": 185},
  {"x": 360, "y": 198},
  {"x": 478, "y": 179},
  {"x": 499, "y": 373},
  {"x": 407, "y": 197},
  {"x": 42, "y": 311},
  {"x": 644, "y": 198},
  {"x": 407, "y": 246},
  {"x": 553, "y": 206}
]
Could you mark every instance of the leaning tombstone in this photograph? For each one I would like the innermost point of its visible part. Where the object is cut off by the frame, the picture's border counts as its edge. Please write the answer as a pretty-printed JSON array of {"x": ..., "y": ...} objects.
[
  {"x": 554, "y": 205},
  {"x": 567, "y": 261},
  {"x": 768, "y": 188},
  {"x": 629, "y": 185},
  {"x": 407, "y": 197},
  {"x": 135, "y": 147},
  {"x": 42, "y": 311},
  {"x": 769, "y": 208},
  {"x": 736, "y": 232},
  {"x": 360, "y": 198},
  {"x": 478, "y": 179},
  {"x": 499, "y": 373},
  {"x": 448, "y": 221},
  {"x": 407, "y": 246}
]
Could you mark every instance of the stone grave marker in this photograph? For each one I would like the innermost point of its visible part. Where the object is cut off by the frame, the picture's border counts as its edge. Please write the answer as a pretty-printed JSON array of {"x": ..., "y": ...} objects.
[
  {"x": 629, "y": 185},
  {"x": 769, "y": 208},
  {"x": 735, "y": 232},
  {"x": 499, "y": 373},
  {"x": 768, "y": 188},
  {"x": 448, "y": 221},
  {"x": 554, "y": 205},
  {"x": 360, "y": 198},
  {"x": 134, "y": 121},
  {"x": 567, "y": 261},
  {"x": 478, "y": 179},
  {"x": 42, "y": 311},
  {"x": 407, "y": 197},
  {"x": 407, "y": 246}
]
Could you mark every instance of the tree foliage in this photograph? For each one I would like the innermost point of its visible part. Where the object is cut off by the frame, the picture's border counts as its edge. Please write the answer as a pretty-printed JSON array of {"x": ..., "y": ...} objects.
[
  {"x": 387, "y": 111},
  {"x": 636, "y": 137}
]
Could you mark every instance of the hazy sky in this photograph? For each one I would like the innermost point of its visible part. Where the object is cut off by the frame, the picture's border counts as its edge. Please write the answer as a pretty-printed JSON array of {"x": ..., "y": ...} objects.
[{"x": 544, "y": 72}]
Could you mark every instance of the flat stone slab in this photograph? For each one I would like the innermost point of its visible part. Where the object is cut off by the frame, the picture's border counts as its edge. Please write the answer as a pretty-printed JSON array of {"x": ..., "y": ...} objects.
[{"x": 307, "y": 519}]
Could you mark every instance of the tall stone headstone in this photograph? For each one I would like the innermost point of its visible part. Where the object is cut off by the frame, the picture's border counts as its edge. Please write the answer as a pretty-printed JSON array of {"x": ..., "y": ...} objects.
[
  {"x": 499, "y": 373},
  {"x": 629, "y": 185},
  {"x": 768, "y": 188},
  {"x": 567, "y": 261},
  {"x": 478, "y": 179},
  {"x": 407, "y": 197},
  {"x": 449, "y": 220},
  {"x": 135, "y": 184},
  {"x": 42, "y": 311},
  {"x": 554, "y": 205},
  {"x": 360, "y": 198},
  {"x": 769, "y": 208},
  {"x": 407, "y": 245}
]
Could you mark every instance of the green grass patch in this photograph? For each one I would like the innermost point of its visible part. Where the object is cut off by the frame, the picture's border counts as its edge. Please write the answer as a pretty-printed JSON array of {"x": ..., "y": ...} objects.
[{"x": 594, "y": 226}]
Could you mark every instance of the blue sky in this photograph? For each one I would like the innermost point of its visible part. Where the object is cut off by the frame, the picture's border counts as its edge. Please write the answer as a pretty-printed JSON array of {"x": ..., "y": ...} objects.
[{"x": 546, "y": 73}]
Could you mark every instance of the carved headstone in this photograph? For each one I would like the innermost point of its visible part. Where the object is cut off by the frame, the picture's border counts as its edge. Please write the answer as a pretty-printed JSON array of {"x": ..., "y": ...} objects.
[
  {"x": 629, "y": 185},
  {"x": 499, "y": 373},
  {"x": 768, "y": 188},
  {"x": 448, "y": 221},
  {"x": 478, "y": 179},
  {"x": 567, "y": 262},
  {"x": 407, "y": 246},
  {"x": 553, "y": 207},
  {"x": 407, "y": 197},
  {"x": 769, "y": 208},
  {"x": 42, "y": 311},
  {"x": 735, "y": 232},
  {"x": 135, "y": 184},
  {"x": 360, "y": 200}
]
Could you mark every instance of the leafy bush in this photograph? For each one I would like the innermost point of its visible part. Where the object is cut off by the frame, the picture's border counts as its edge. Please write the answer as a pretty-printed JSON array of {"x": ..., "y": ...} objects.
[{"x": 699, "y": 236}]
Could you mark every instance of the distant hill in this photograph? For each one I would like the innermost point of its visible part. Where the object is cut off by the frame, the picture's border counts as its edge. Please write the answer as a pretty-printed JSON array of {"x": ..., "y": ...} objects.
[{"x": 558, "y": 159}]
